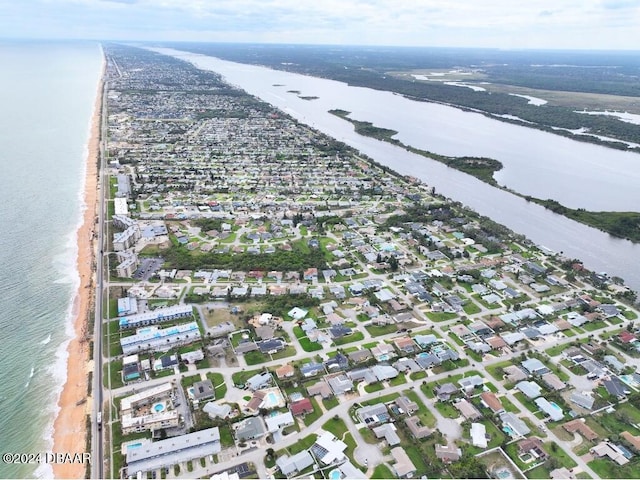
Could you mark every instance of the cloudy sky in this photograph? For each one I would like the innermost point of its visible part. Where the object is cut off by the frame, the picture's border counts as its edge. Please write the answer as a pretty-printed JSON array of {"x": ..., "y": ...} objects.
[{"x": 590, "y": 24}]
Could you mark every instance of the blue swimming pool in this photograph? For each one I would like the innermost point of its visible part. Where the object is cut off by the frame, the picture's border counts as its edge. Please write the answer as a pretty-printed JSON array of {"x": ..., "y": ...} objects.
[
  {"x": 335, "y": 474},
  {"x": 556, "y": 406}
]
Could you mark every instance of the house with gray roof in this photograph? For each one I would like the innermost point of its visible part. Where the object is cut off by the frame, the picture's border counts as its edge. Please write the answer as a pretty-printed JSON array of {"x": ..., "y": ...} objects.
[
  {"x": 259, "y": 381},
  {"x": 530, "y": 389},
  {"x": 276, "y": 422},
  {"x": 362, "y": 375},
  {"x": 616, "y": 387},
  {"x": 445, "y": 391},
  {"x": 384, "y": 372},
  {"x": 552, "y": 411},
  {"x": 614, "y": 363},
  {"x": 582, "y": 400},
  {"x": 388, "y": 432},
  {"x": 534, "y": 366},
  {"x": 515, "y": 427},
  {"x": 373, "y": 414},
  {"x": 469, "y": 383},
  {"x": 427, "y": 361},
  {"x": 340, "y": 384},
  {"x": 408, "y": 407},
  {"x": 361, "y": 355},
  {"x": 407, "y": 365},
  {"x": 250, "y": 428},
  {"x": 164, "y": 453},
  {"x": 294, "y": 464},
  {"x": 310, "y": 369},
  {"x": 216, "y": 411},
  {"x": 203, "y": 390},
  {"x": 425, "y": 340}
]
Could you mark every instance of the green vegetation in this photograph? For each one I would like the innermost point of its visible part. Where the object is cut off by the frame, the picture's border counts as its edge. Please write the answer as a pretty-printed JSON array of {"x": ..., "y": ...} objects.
[
  {"x": 218, "y": 383},
  {"x": 330, "y": 402},
  {"x": 374, "y": 387},
  {"x": 336, "y": 426},
  {"x": 447, "y": 410},
  {"x": 619, "y": 224},
  {"x": 382, "y": 471},
  {"x": 354, "y": 337},
  {"x": 240, "y": 378},
  {"x": 378, "y": 330},
  {"x": 383, "y": 399},
  {"x": 606, "y": 468}
]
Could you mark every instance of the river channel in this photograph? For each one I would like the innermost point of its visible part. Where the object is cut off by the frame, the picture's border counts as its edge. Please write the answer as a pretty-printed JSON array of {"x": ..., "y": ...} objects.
[{"x": 541, "y": 164}]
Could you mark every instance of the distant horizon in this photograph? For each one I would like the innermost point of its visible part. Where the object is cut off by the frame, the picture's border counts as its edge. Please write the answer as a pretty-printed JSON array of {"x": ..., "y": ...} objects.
[
  {"x": 349, "y": 45},
  {"x": 602, "y": 25}
]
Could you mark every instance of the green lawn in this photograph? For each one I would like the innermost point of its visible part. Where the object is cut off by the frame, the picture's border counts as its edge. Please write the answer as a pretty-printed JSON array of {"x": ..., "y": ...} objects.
[
  {"x": 330, "y": 402},
  {"x": 378, "y": 330},
  {"x": 381, "y": 399},
  {"x": 592, "y": 326},
  {"x": 418, "y": 375},
  {"x": 471, "y": 308},
  {"x": 354, "y": 337},
  {"x": 240, "y": 378},
  {"x": 302, "y": 444},
  {"x": 558, "y": 452},
  {"x": 606, "y": 468},
  {"x": 336, "y": 426},
  {"x": 309, "y": 346},
  {"x": 368, "y": 436},
  {"x": 417, "y": 458},
  {"x": 226, "y": 437},
  {"x": 218, "y": 382},
  {"x": 508, "y": 406},
  {"x": 447, "y": 410},
  {"x": 532, "y": 407},
  {"x": 494, "y": 370},
  {"x": 374, "y": 387},
  {"x": 256, "y": 357},
  {"x": 424, "y": 414},
  {"x": 441, "y": 316},
  {"x": 427, "y": 389},
  {"x": 399, "y": 380},
  {"x": 382, "y": 471}
]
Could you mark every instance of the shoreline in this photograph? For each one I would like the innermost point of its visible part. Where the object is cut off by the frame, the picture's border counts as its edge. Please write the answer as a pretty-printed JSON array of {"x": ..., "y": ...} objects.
[{"x": 70, "y": 426}]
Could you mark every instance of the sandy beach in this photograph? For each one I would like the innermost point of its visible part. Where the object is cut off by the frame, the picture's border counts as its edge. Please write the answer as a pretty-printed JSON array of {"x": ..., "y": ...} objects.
[{"x": 70, "y": 424}]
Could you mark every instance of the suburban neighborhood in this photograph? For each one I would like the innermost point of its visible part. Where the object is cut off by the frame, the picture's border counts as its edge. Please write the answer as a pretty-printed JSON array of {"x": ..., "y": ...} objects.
[{"x": 281, "y": 306}]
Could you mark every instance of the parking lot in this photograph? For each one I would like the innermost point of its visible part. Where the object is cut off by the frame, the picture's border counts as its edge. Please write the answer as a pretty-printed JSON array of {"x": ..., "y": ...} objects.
[{"x": 148, "y": 268}]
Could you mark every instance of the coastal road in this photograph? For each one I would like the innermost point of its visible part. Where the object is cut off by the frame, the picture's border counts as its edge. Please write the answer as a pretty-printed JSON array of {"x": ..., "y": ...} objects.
[{"x": 97, "y": 440}]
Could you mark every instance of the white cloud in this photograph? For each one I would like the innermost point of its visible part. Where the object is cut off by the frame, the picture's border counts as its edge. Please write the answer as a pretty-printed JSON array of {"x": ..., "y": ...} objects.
[{"x": 487, "y": 23}]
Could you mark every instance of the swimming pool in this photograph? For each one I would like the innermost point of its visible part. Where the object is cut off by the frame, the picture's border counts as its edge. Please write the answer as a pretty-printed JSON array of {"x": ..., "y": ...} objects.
[
  {"x": 335, "y": 474},
  {"x": 135, "y": 445},
  {"x": 556, "y": 406},
  {"x": 503, "y": 473},
  {"x": 383, "y": 357},
  {"x": 159, "y": 407},
  {"x": 508, "y": 430}
]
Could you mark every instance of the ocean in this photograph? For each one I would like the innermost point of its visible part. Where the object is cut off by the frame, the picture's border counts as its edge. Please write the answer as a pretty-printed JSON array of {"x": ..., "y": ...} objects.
[{"x": 47, "y": 95}]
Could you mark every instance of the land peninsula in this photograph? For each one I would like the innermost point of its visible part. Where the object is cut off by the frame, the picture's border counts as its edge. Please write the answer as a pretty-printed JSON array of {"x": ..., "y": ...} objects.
[{"x": 279, "y": 305}]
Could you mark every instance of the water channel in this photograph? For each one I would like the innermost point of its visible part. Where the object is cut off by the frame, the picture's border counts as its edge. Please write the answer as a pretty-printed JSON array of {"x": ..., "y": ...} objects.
[{"x": 537, "y": 163}]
